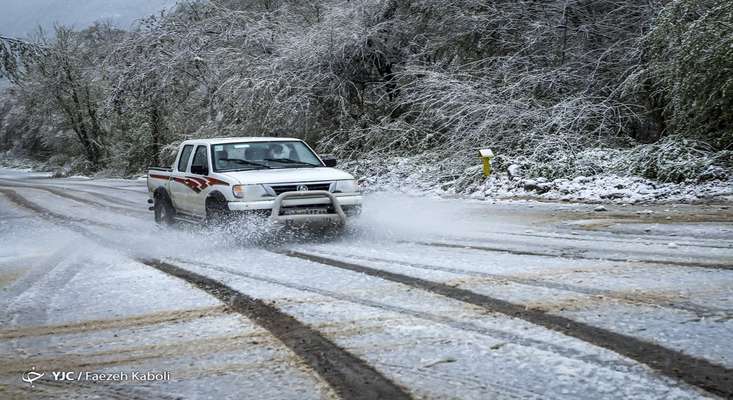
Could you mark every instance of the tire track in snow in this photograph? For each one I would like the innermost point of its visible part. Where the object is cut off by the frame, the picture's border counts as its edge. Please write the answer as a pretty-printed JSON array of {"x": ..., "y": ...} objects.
[
  {"x": 21, "y": 201},
  {"x": 439, "y": 319},
  {"x": 91, "y": 185},
  {"x": 64, "y": 192},
  {"x": 28, "y": 307},
  {"x": 66, "y": 195},
  {"x": 695, "y": 371},
  {"x": 348, "y": 375},
  {"x": 135, "y": 355},
  {"x": 40, "y": 268},
  {"x": 698, "y": 310},
  {"x": 656, "y": 240},
  {"x": 711, "y": 265},
  {"x": 114, "y": 323},
  {"x": 111, "y": 199}
]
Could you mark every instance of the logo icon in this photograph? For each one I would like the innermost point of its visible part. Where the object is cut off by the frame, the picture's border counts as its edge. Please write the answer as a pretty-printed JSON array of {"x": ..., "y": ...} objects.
[
  {"x": 302, "y": 188},
  {"x": 31, "y": 376}
]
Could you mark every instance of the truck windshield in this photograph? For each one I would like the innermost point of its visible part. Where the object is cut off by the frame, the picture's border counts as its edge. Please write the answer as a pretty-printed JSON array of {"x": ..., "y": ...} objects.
[{"x": 263, "y": 155}]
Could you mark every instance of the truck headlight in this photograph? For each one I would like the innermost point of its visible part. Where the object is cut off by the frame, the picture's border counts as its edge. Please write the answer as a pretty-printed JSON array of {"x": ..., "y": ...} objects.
[
  {"x": 249, "y": 191},
  {"x": 345, "y": 186}
]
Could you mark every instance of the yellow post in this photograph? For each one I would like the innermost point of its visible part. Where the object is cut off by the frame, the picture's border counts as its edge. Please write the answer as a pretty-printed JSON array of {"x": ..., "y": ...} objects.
[{"x": 486, "y": 156}]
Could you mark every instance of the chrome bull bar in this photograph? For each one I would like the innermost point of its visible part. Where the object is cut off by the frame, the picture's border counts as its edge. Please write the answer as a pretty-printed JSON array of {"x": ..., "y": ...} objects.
[{"x": 337, "y": 217}]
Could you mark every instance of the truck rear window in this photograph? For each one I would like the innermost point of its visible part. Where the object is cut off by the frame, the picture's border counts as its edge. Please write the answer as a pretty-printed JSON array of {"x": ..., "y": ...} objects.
[{"x": 185, "y": 154}]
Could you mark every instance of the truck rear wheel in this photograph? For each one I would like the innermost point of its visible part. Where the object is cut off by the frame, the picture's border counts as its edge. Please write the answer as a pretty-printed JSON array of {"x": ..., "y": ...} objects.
[{"x": 164, "y": 211}]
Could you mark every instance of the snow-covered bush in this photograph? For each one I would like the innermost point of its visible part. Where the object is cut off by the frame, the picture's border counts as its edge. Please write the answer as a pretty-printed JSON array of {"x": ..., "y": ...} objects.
[
  {"x": 686, "y": 73},
  {"x": 672, "y": 159}
]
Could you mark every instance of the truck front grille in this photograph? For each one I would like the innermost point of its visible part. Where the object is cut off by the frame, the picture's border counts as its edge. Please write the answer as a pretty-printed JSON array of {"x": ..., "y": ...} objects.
[{"x": 278, "y": 189}]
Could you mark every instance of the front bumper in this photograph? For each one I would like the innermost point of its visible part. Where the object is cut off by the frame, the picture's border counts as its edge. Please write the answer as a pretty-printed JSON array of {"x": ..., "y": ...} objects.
[{"x": 309, "y": 198}]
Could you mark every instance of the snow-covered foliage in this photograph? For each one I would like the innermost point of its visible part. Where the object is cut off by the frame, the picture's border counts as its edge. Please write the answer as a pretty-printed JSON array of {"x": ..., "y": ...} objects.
[
  {"x": 560, "y": 89},
  {"x": 689, "y": 69},
  {"x": 419, "y": 176}
]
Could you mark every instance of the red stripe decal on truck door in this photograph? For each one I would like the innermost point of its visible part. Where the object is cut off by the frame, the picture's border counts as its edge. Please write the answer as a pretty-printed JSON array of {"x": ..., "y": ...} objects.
[
  {"x": 156, "y": 176},
  {"x": 194, "y": 183},
  {"x": 214, "y": 181},
  {"x": 191, "y": 185},
  {"x": 199, "y": 182}
]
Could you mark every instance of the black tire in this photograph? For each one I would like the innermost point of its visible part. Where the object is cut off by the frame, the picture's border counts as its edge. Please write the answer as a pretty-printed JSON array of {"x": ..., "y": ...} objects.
[
  {"x": 338, "y": 229},
  {"x": 352, "y": 211},
  {"x": 217, "y": 212},
  {"x": 165, "y": 214}
]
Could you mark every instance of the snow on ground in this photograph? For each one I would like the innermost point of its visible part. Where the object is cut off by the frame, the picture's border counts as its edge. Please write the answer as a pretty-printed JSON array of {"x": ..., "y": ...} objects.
[
  {"x": 74, "y": 296},
  {"x": 605, "y": 188},
  {"x": 398, "y": 332},
  {"x": 418, "y": 177},
  {"x": 70, "y": 303},
  {"x": 630, "y": 283}
]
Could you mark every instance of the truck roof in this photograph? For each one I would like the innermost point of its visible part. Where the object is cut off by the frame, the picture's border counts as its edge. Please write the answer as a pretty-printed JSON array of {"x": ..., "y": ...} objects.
[{"x": 238, "y": 140}]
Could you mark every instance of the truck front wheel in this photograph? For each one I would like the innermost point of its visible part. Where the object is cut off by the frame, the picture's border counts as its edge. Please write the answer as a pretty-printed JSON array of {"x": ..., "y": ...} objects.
[
  {"x": 217, "y": 212},
  {"x": 164, "y": 211}
]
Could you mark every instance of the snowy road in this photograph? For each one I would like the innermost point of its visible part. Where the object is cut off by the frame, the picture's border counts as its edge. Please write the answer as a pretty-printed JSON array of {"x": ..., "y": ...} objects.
[{"x": 421, "y": 298}]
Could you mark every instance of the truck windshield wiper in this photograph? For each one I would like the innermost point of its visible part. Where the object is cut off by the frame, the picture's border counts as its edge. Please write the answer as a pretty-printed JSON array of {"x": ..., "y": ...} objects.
[
  {"x": 245, "y": 162},
  {"x": 290, "y": 161}
]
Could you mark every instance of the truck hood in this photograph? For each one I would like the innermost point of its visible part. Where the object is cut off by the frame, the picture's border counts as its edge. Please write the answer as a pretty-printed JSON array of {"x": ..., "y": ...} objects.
[{"x": 288, "y": 175}]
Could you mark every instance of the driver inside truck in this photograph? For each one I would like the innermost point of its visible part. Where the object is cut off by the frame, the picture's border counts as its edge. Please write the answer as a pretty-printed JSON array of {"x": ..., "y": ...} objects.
[{"x": 278, "y": 151}]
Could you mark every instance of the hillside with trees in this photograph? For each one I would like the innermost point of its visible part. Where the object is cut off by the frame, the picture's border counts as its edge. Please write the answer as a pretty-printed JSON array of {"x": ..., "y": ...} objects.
[{"x": 559, "y": 88}]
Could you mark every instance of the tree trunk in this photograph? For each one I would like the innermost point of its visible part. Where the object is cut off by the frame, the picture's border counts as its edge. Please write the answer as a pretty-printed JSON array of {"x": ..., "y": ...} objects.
[{"x": 155, "y": 134}]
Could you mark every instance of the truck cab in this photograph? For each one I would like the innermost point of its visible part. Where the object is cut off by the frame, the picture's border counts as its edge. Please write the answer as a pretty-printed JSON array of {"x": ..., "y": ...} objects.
[{"x": 282, "y": 179}]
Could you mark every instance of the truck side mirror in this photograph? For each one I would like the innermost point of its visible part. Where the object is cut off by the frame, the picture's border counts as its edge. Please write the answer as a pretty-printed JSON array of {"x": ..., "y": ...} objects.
[
  {"x": 329, "y": 161},
  {"x": 199, "y": 170}
]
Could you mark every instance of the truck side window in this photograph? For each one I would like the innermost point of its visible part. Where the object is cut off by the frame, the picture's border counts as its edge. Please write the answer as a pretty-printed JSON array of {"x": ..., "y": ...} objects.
[
  {"x": 185, "y": 154},
  {"x": 199, "y": 157}
]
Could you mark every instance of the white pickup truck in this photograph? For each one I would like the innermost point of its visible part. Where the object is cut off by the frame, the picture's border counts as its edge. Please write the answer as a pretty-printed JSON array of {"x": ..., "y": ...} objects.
[{"x": 282, "y": 179}]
